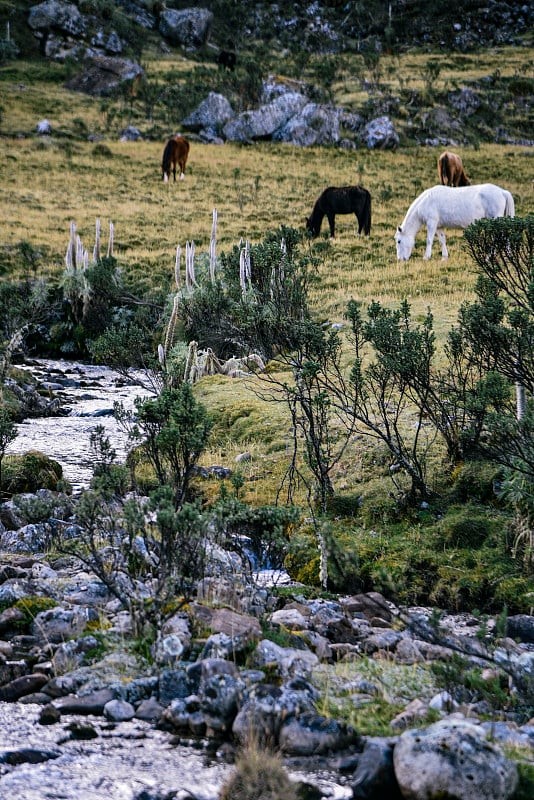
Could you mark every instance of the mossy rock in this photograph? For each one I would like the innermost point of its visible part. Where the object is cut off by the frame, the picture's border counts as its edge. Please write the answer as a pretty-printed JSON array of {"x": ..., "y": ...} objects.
[
  {"x": 29, "y": 607},
  {"x": 29, "y": 472},
  {"x": 475, "y": 481}
]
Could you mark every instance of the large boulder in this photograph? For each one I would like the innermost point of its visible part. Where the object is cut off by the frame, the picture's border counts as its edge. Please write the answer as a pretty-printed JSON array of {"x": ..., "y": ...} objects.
[
  {"x": 57, "y": 16},
  {"x": 211, "y": 115},
  {"x": 452, "y": 758},
  {"x": 103, "y": 74},
  {"x": 310, "y": 734},
  {"x": 189, "y": 28},
  {"x": 313, "y": 125},
  {"x": 264, "y": 121}
]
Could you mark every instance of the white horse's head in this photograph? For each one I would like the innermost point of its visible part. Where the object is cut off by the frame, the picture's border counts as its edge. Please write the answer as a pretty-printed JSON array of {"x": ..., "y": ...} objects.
[{"x": 405, "y": 243}]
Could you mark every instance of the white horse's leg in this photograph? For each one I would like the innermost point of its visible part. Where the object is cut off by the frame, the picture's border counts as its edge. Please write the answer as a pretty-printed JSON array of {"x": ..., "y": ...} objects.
[
  {"x": 182, "y": 176},
  {"x": 430, "y": 233},
  {"x": 441, "y": 239},
  {"x": 165, "y": 178}
]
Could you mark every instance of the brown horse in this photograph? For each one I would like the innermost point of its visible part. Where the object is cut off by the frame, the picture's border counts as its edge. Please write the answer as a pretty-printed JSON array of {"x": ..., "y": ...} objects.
[
  {"x": 451, "y": 170},
  {"x": 341, "y": 200},
  {"x": 175, "y": 153}
]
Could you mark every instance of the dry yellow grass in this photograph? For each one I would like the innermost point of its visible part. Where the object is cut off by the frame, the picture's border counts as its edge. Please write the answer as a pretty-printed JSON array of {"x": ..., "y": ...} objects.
[{"x": 45, "y": 185}]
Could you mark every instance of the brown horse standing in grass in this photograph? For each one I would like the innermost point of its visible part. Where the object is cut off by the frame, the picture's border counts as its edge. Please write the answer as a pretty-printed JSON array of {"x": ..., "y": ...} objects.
[
  {"x": 175, "y": 154},
  {"x": 341, "y": 200},
  {"x": 451, "y": 170}
]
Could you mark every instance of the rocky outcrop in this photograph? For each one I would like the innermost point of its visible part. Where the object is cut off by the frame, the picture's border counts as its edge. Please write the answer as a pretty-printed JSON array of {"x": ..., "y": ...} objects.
[
  {"x": 189, "y": 28},
  {"x": 54, "y": 15},
  {"x": 101, "y": 75}
]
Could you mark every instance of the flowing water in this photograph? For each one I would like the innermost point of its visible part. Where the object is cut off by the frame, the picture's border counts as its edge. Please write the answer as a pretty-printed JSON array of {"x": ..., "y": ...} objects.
[
  {"x": 88, "y": 393},
  {"x": 125, "y": 758}
]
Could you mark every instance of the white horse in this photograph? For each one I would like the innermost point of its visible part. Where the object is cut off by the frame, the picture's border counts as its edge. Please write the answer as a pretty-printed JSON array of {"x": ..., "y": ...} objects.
[{"x": 450, "y": 207}]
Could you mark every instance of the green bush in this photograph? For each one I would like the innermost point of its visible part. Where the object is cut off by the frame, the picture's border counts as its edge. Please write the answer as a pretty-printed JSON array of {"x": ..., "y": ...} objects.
[
  {"x": 263, "y": 316},
  {"x": 31, "y": 471}
]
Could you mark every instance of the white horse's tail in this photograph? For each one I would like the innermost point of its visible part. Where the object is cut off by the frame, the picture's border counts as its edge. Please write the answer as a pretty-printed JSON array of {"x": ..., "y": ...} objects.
[{"x": 509, "y": 207}]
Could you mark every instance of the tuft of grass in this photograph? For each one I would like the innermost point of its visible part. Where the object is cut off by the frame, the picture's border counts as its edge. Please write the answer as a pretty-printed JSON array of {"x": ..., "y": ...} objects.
[{"x": 258, "y": 775}]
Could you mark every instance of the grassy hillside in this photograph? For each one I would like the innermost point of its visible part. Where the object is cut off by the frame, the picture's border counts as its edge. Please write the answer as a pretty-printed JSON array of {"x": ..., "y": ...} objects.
[{"x": 47, "y": 182}]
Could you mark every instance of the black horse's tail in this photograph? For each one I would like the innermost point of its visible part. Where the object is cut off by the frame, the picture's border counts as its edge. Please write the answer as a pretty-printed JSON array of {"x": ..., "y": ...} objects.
[
  {"x": 166, "y": 160},
  {"x": 365, "y": 222}
]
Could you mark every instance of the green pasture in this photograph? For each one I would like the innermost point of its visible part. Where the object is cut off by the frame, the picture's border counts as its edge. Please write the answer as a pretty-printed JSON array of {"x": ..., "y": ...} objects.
[{"x": 48, "y": 182}]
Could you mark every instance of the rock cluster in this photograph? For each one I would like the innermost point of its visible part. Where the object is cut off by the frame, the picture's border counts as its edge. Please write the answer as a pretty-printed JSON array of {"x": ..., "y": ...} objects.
[{"x": 232, "y": 682}]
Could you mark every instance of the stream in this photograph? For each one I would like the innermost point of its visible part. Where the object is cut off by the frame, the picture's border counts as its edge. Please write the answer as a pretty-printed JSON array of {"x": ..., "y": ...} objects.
[
  {"x": 130, "y": 760},
  {"x": 88, "y": 393}
]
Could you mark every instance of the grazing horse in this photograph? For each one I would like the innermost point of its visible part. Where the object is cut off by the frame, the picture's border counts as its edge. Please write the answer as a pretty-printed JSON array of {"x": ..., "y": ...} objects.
[
  {"x": 227, "y": 59},
  {"x": 341, "y": 200},
  {"x": 175, "y": 153},
  {"x": 446, "y": 207},
  {"x": 451, "y": 170}
]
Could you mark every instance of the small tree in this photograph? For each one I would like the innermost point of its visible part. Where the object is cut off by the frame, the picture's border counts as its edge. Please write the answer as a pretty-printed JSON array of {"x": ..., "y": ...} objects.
[{"x": 172, "y": 431}]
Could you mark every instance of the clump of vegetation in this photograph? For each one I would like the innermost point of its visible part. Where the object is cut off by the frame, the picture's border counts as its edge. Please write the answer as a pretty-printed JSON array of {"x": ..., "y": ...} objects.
[{"x": 258, "y": 775}]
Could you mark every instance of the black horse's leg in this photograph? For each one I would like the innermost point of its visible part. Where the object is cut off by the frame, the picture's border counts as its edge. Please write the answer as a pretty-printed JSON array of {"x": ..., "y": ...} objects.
[
  {"x": 174, "y": 170},
  {"x": 360, "y": 224},
  {"x": 332, "y": 223}
]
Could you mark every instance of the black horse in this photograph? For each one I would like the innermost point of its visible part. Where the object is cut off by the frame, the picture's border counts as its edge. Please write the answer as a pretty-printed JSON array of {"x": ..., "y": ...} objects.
[
  {"x": 341, "y": 200},
  {"x": 227, "y": 59}
]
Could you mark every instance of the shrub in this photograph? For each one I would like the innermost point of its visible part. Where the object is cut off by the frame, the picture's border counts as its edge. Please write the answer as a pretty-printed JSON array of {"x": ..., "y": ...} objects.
[
  {"x": 237, "y": 315},
  {"x": 31, "y": 471},
  {"x": 258, "y": 775}
]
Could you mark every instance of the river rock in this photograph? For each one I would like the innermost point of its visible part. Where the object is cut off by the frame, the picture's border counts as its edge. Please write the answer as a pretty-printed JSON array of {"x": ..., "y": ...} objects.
[
  {"x": 119, "y": 711},
  {"x": 452, "y": 758},
  {"x": 311, "y": 734},
  {"x": 374, "y": 778},
  {"x": 288, "y": 661},
  {"x": 59, "y": 624},
  {"x": 19, "y": 687}
]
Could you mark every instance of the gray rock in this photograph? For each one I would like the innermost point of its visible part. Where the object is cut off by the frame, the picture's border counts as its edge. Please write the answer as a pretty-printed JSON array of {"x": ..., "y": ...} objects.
[
  {"x": 311, "y": 734},
  {"x": 263, "y": 122},
  {"x": 313, "y": 125},
  {"x": 33, "y": 538},
  {"x": 59, "y": 624},
  {"x": 92, "y": 703},
  {"x": 374, "y": 778},
  {"x": 26, "y": 684},
  {"x": 43, "y": 127},
  {"x": 119, "y": 711},
  {"x": 212, "y": 114},
  {"x": 103, "y": 74},
  {"x": 57, "y": 16},
  {"x": 130, "y": 134},
  {"x": 289, "y": 661},
  {"x": 452, "y": 758},
  {"x": 190, "y": 27},
  {"x": 380, "y": 134},
  {"x": 520, "y": 626}
]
